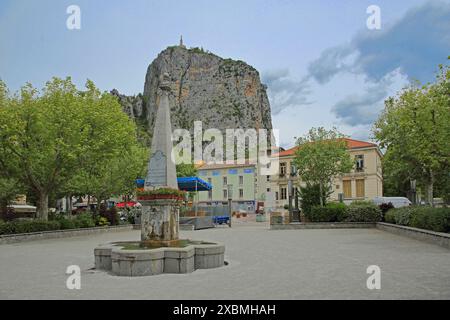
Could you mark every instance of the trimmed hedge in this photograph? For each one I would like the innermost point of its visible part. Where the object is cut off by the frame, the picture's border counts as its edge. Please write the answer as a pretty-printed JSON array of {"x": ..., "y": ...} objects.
[
  {"x": 83, "y": 220},
  {"x": 26, "y": 226},
  {"x": 339, "y": 212},
  {"x": 332, "y": 212},
  {"x": 363, "y": 212},
  {"x": 435, "y": 219}
]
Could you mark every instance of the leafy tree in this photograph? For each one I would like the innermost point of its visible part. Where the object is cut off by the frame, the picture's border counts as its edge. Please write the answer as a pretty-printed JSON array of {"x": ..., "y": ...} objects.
[
  {"x": 113, "y": 176},
  {"x": 8, "y": 192},
  {"x": 186, "y": 170},
  {"x": 50, "y": 137},
  {"x": 321, "y": 156},
  {"x": 414, "y": 128}
]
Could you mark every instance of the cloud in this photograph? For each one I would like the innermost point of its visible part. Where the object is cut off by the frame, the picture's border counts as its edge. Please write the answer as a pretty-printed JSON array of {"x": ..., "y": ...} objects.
[
  {"x": 284, "y": 91},
  {"x": 412, "y": 48},
  {"x": 415, "y": 45},
  {"x": 362, "y": 109}
]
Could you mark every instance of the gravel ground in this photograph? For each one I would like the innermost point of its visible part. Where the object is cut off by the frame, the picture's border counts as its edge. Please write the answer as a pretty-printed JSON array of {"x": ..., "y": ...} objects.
[{"x": 263, "y": 264}]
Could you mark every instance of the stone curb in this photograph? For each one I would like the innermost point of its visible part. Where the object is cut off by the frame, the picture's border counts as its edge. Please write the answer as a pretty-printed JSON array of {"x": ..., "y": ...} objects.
[
  {"x": 44, "y": 235},
  {"x": 437, "y": 238},
  {"x": 323, "y": 225}
]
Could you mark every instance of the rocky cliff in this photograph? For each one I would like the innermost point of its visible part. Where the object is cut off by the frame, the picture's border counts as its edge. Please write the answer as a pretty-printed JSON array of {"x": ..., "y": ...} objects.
[{"x": 222, "y": 93}]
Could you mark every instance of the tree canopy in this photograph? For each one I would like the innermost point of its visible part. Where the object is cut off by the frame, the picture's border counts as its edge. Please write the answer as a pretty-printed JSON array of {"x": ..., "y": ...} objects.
[
  {"x": 322, "y": 155},
  {"x": 414, "y": 129},
  {"x": 61, "y": 138}
]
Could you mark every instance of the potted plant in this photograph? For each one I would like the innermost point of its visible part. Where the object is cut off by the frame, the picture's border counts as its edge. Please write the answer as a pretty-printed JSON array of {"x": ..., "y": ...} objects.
[{"x": 162, "y": 193}]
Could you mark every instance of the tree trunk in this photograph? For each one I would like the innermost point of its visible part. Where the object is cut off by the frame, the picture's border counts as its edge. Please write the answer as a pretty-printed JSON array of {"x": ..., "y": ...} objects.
[
  {"x": 42, "y": 206},
  {"x": 430, "y": 188}
]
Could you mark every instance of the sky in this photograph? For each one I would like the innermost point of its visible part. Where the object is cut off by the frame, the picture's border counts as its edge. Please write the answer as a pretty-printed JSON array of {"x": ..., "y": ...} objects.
[{"x": 323, "y": 66}]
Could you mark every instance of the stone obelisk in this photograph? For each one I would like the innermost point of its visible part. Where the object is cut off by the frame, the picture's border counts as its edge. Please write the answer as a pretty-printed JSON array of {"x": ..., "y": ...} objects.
[
  {"x": 160, "y": 217},
  {"x": 161, "y": 168}
]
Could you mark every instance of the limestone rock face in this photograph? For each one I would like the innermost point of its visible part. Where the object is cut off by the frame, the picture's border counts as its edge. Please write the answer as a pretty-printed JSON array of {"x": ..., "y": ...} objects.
[
  {"x": 131, "y": 105},
  {"x": 222, "y": 93}
]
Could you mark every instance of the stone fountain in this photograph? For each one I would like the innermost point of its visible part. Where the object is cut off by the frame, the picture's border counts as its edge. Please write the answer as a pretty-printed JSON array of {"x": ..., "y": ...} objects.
[{"x": 160, "y": 249}]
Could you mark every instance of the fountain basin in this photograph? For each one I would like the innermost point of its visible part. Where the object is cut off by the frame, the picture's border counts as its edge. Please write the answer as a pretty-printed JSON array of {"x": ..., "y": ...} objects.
[{"x": 134, "y": 259}]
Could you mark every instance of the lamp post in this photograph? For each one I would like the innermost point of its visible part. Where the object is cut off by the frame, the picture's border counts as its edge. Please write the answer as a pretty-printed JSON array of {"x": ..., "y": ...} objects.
[
  {"x": 294, "y": 214},
  {"x": 413, "y": 191},
  {"x": 230, "y": 197}
]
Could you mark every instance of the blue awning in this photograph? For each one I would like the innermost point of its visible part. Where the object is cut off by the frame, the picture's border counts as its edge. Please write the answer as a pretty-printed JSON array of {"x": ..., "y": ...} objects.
[
  {"x": 140, "y": 183},
  {"x": 190, "y": 183}
]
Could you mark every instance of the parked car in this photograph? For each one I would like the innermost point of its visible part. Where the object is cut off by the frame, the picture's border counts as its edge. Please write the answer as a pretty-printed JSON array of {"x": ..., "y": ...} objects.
[{"x": 397, "y": 202}]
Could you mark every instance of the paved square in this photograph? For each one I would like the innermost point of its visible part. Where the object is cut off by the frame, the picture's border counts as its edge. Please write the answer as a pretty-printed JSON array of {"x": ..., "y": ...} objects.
[{"x": 263, "y": 264}]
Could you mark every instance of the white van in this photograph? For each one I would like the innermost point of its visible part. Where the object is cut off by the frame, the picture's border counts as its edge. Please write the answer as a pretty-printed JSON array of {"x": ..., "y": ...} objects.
[{"x": 397, "y": 202}]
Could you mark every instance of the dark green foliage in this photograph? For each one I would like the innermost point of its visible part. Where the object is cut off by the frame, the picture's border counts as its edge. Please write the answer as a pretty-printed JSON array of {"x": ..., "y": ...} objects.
[
  {"x": 27, "y": 226},
  {"x": 310, "y": 198},
  {"x": 84, "y": 220},
  {"x": 436, "y": 219},
  {"x": 333, "y": 212},
  {"x": 66, "y": 223},
  {"x": 363, "y": 212},
  {"x": 429, "y": 218},
  {"x": 389, "y": 217},
  {"x": 402, "y": 216}
]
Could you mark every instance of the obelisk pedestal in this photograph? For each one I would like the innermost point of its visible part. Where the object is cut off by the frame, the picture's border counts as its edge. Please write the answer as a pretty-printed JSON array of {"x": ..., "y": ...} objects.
[{"x": 160, "y": 216}]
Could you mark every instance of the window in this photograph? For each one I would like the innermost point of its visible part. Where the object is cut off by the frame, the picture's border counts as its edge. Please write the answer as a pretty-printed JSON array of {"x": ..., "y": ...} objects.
[
  {"x": 337, "y": 187},
  {"x": 283, "y": 193},
  {"x": 347, "y": 188},
  {"x": 225, "y": 181},
  {"x": 359, "y": 163},
  {"x": 241, "y": 180},
  {"x": 268, "y": 178},
  {"x": 282, "y": 168},
  {"x": 360, "y": 188},
  {"x": 268, "y": 189},
  {"x": 276, "y": 195},
  {"x": 241, "y": 193},
  {"x": 225, "y": 194}
]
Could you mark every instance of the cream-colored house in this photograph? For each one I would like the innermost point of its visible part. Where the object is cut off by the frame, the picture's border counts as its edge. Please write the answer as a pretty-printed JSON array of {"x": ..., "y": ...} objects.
[{"x": 364, "y": 182}]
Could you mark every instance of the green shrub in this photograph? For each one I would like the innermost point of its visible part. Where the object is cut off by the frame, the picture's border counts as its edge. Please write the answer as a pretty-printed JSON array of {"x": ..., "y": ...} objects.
[
  {"x": 363, "y": 212},
  {"x": 310, "y": 197},
  {"x": 67, "y": 223},
  {"x": 27, "y": 226},
  {"x": 4, "y": 227},
  {"x": 330, "y": 213},
  {"x": 436, "y": 219},
  {"x": 340, "y": 208},
  {"x": 389, "y": 216},
  {"x": 84, "y": 220},
  {"x": 401, "y": 216}
]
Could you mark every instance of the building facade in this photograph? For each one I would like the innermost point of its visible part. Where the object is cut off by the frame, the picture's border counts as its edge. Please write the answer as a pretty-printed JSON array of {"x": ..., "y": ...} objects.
[
  {"x": 242, "y": 179},
  {"x": 364, "y": 182}
]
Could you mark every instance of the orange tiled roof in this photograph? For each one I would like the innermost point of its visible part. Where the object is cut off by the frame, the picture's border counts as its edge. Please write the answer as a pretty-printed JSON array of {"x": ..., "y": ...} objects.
[
  {"x": 224, "y": 166},
  {"x": 351, "y": 144}
]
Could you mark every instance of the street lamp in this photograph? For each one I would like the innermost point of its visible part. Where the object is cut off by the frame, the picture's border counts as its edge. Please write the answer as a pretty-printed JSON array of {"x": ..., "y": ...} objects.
[
  {"x": 413, "y": 191},
  {"x": 293, "y": 191},
  {"x": 230, "y": 197}
]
